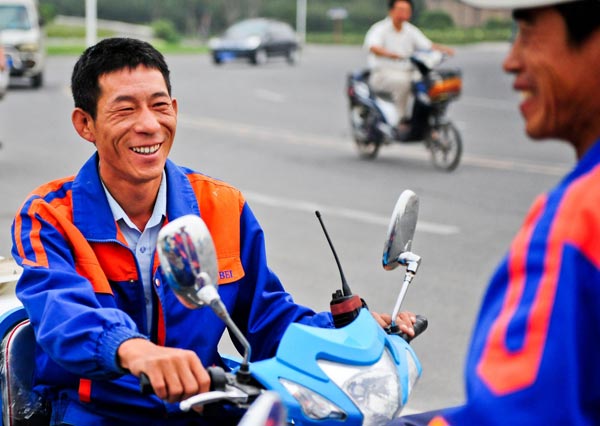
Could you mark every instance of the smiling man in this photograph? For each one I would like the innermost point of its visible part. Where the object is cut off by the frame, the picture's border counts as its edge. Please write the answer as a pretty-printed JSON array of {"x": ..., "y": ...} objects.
[
  {"x": 101, "y": 312},
  {"x": 100, "y": 309},
  {"x": 534, "y": 352}
]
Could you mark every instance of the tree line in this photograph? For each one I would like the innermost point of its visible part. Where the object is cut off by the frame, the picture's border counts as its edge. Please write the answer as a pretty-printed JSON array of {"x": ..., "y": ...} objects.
[{"x": 202, "y": 18}]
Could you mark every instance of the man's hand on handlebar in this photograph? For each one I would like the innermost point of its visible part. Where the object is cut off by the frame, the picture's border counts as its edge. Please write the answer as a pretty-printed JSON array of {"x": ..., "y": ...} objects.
[
  {"x": 175, "y": 374},
  {"x": 404, "y": 320}
]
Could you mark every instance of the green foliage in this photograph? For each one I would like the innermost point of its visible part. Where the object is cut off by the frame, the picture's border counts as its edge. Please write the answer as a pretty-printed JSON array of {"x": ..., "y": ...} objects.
[
  {"x": 69, "y": 31},
  {"x": 467, "y": 35},
  {"x": 77, "y": 48},
  {"x": 47, "y": 12},
  {"x": 281, "y": 9},
  {"x": 450, "y": 36},
  {"x": 435, "y": 20},
  {"x": 64, "y": 7},
  {"x": 198, "y": 19},
  {"x": 498, "y": 24},
  {"x": 165, "y": 30}
]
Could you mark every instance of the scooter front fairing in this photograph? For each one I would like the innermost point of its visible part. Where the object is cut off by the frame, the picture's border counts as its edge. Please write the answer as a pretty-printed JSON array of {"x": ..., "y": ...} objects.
[{"x": 357, "y": 374}]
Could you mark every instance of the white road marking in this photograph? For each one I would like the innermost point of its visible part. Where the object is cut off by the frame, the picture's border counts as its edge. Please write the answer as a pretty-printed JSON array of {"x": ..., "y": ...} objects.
[
  {"x": 269, "y": 95},
  {"x": 273, "y": 135},
  {"x": 357, "y": 215},
  {"x": 497, "y": 104}
]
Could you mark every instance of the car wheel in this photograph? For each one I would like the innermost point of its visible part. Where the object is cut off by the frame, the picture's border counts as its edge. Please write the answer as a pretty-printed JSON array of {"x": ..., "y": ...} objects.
[
  {"x": 216, "y": 59},
  {"x": 292, "y": 56},
  {"x": 37, "y": 80},
  {"x": 260, "y": 57}
]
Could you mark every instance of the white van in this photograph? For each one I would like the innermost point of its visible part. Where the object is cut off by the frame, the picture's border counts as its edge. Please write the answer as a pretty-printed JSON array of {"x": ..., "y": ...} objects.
[
  {"x": 23, "y": 39},
  {"x": 4, "y": 73}
]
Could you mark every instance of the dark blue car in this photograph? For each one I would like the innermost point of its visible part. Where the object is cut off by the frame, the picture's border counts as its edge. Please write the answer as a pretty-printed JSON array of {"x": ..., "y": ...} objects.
[{"x": 256, "y": 40}]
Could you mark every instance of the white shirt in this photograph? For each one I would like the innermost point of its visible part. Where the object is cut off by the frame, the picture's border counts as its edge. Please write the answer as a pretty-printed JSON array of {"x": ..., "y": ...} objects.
[
  {"x": 143, "y": 244},
  {"x": 404, "y": 43}
]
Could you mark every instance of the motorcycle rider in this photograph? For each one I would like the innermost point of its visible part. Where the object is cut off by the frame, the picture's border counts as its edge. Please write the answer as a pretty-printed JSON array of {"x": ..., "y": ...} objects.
[
  {"x": 533, "y": 358},
  {"x": 98, "y": 304},
  {"x": 390, "y": 43}
]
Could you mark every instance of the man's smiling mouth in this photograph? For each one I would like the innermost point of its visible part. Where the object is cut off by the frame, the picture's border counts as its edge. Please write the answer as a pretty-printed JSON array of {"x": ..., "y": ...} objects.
[{"x": 146, "y": 149}]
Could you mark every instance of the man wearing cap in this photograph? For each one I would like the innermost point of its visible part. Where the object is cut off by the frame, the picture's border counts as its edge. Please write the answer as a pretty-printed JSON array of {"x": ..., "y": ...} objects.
[{"x": 535, "y": 351}]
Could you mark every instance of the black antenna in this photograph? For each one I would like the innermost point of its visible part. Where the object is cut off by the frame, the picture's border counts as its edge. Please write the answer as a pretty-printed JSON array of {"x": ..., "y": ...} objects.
[{"x": 345, "y": 288}]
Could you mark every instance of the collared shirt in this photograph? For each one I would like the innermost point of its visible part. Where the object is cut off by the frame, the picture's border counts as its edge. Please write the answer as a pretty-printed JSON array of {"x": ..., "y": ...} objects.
[
  {"x": 404, "y": 43},
  {"x": 142, "y": 243}
]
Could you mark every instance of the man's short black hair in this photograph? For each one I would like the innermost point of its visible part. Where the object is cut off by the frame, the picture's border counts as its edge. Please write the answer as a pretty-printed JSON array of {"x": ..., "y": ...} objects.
[
  {"x": 109, "y": 55},
  {"x": 391, "y": 4},
  {"x": 582, "y": 18}
]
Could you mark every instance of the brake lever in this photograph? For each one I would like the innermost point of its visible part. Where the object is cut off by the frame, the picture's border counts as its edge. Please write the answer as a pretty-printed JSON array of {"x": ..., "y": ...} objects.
[{"x": 231, "y": 394}]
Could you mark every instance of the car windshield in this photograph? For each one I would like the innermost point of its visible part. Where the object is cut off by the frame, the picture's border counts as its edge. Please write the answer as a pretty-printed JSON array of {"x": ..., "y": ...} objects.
[
  {"x": 246, "y": 29},
  {"x": 14, "y": 17}
]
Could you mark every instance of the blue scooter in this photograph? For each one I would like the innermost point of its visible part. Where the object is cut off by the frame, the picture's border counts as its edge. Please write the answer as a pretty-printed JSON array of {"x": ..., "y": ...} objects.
[
  {"x": 357, "y": 373},
  {"x": 373, "y": 115}
]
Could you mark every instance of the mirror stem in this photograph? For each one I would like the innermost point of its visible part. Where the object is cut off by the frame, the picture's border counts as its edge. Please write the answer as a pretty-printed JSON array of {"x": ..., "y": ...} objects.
[
  {"x": 412, "y": 262},
  {"x": 210, "y": 296},
  {"x": 219, "y": 308},
  {"x": 407, "y": 279}
]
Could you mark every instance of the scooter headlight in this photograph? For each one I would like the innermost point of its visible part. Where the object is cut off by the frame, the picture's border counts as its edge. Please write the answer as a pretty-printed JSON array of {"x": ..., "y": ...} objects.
[
  {"x": 28, "y": 47},
  {"x": 375, "y": 389},
  {"x": 361, "y": 89},
  {"x": 414, "y": 371},
  {"x": 313, "y": 405}
]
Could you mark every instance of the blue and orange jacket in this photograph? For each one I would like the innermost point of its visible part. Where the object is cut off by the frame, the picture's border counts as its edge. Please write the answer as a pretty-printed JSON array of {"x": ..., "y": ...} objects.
[
  {"x": 82, "y": 291},
  {"x": 534, "y": 356}
]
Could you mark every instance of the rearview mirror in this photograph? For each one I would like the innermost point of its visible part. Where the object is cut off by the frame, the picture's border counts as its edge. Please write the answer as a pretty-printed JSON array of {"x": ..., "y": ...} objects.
[
  {"x": 188, "y": 260},
  {"x": 401, "y": 229}
]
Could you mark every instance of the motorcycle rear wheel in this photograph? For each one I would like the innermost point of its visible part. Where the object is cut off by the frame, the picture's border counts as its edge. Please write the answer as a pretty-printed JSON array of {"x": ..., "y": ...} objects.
[
  {"x": 360, "y": 121},
  {"x": 445, "y": 145}
]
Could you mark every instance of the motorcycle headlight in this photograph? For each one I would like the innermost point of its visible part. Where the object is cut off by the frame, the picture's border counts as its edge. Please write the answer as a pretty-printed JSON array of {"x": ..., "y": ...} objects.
[
  {"x": 414, "y": 371},
  {"x": 252, "y": 42},
  {"x": 361, "y": 89},
  {"x": 313, "y": 405},
  {"x": 214, "y": 43},
  {"x": 28, "y": 47},
  {"x": 375, "y": 389}
]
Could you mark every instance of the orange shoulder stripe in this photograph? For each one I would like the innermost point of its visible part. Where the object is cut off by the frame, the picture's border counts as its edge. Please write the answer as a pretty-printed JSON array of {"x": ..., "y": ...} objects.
[
  {"x": 576, "y": 222},
  {"x": 220, "y": 208}
]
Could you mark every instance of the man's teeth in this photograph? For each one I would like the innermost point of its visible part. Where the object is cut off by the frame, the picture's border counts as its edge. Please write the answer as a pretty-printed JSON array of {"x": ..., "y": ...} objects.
[
  {"x": 146, "y": 149},
  {"x": 525, "y": 95}
]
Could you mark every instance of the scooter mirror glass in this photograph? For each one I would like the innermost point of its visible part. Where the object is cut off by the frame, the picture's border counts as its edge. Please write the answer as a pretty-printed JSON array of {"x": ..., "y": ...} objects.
[
  {"x": 188, "y": 260},
  {"x": 401, "y": 229}
]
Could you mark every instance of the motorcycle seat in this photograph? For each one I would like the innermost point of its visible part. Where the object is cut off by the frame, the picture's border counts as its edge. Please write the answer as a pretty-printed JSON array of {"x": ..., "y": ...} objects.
[{"x": 20, "y": 406}]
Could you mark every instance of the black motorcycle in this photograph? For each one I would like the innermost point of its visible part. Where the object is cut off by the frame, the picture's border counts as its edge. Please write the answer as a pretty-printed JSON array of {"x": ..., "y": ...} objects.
[{"x": 374, "y": 119}]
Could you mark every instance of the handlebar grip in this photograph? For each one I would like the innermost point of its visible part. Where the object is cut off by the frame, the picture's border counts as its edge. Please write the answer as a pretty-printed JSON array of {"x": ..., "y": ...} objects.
[
  {"x": 145, "y": 385},
  {"x": 419, "y": 326},
  {"x": 218, "y": 380}
]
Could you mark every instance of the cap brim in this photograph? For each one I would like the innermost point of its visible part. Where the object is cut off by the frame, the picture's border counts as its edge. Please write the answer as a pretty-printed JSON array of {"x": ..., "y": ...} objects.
[{"x": 513, "y": 4}]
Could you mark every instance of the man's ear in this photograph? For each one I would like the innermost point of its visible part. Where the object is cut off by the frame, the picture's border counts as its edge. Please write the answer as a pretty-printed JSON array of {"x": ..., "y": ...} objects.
[{"x": 84, "y": 124}]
